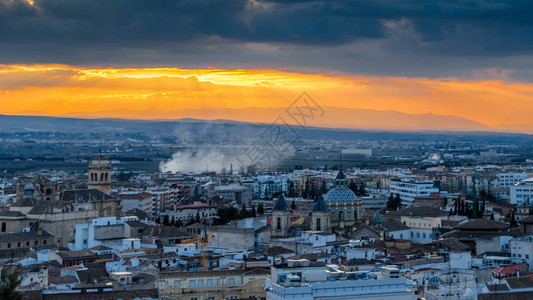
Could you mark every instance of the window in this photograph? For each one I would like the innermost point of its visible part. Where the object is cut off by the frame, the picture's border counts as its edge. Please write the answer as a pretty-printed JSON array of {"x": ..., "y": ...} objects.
[
  {"x": 231, "y": 281},
  {"x": 318, "y": 224},
  {"x": 200, "y": 283},
  {"x": 36, "y": 243},
  {"x": 278, "y": 224},
  {"x": 177, "y": 282},
  {"x": 192, "y": 283},
  {"x": 9, "y": 245},
  {"x": 424, "y": 235},
  {"x": 4, "y": 227},
  {"x": 209, "y": 282}
]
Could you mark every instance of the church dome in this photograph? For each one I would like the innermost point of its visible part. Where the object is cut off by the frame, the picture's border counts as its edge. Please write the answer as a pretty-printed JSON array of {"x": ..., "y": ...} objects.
[{"x": 340, "y": 195}]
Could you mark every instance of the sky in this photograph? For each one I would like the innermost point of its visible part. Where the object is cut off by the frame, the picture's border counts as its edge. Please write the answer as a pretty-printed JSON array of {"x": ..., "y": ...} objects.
[{"x": 170, "y": 59}]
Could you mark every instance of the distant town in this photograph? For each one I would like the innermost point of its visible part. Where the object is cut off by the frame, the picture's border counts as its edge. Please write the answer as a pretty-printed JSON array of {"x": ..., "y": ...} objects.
[{"x": 372, "y": 217}]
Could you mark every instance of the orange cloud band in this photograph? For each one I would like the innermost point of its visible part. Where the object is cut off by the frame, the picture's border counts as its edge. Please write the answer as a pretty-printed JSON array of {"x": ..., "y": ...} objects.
[{"x": 171, "y": 93}]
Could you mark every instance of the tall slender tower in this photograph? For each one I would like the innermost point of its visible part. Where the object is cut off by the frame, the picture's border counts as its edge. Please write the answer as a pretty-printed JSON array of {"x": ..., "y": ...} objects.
[
  {"x": 320, "y": 216},
  {"x": 100, "y": 174},
  {"x": 280, "y": 218}
]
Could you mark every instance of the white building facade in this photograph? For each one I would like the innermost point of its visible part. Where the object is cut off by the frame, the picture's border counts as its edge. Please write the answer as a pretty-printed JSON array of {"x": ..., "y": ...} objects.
[
  {"x": 522, "y": 192},
  {"x": 411, "y": 189}
]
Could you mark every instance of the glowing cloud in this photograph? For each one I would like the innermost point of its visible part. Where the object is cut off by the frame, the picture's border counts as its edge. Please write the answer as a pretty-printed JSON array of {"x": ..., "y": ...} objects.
[{"x": 171, "y": 93}]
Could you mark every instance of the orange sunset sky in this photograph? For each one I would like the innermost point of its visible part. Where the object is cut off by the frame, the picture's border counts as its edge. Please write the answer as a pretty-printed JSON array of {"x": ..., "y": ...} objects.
[{"x": 173, "y": 93}]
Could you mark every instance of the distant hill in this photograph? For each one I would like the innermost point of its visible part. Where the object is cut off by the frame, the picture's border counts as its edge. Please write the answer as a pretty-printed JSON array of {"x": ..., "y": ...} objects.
[
  {"x": 333, "y": 117},
  {"x": 234, "y": 129}
]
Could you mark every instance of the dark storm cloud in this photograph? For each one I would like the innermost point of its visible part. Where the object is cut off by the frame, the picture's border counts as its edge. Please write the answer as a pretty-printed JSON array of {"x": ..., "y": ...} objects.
[{"x": 201, "y": 31}]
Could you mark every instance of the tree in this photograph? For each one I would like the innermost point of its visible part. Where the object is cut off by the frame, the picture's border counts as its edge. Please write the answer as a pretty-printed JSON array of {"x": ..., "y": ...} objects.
[
  {"x": 253, "y": 211},
  {"x": 178, "y": 223},
  {"x": 323, "y": 188},
  {"x": 362, "y": 190},
  {"x": 353, "y": 186},
  {"x": 10, "y": 279},
  {"x": 190, "y": 222},
  {"x": 394, "y": 202},
  {"x": 166, "y": 221},
  {"x": 306, "y": 190},
  {"x": 197, "y": 219},
  {"x": 513, "y": 220},
  {"x": 398, "y": 200},
  {"x": 475, "y": 208},
  {"x": 157, "y": 220},
  {"x": 226, "y": 214},
  {"x": 468, "y": 212},
  {"x": 244, "y": 212},
  {"x": 291, "y": 189},
  {"x": 261, "y": 209}
]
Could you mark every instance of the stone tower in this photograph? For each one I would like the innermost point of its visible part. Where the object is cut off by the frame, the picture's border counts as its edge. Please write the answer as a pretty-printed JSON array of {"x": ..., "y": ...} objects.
[
  {"x": 100, "y": 174},
  {"x": 320, "y": 216},
  {"x": 280, "y": 218}
]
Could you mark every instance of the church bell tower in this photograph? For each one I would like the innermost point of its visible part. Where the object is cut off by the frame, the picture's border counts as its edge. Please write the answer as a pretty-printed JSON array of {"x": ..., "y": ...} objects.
[{"x": 100, "y": 174}]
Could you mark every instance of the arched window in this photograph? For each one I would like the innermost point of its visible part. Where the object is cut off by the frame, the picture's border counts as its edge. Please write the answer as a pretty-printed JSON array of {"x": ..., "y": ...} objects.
[
  {"x": 278, "y": 223},
  {"x": 106, "y": 176},
  {"x": 4, "y": 227},
  {"x": 101, "y": 176},
  {"x": 48, "y": 191},
  {"x": 318, "y": 224}
]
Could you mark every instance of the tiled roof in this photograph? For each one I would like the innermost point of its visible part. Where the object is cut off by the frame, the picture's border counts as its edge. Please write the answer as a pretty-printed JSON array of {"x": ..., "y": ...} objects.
[
  {"x": 341, "y": 195},
  {"x": 281, "y": 204},
  {"x": 483, "y": 224},
  {"x": 277, "y": 250},
  {"x": 418, "y": 211},
  {"x": 8, "y": 213},
  {"x": 340, "y": 175},
  {"x": 23, "y": 236},
  {"x": 391, "y": 225},
  {"x": 320, "y": 205},
  {"x": 84, "y": 195}
]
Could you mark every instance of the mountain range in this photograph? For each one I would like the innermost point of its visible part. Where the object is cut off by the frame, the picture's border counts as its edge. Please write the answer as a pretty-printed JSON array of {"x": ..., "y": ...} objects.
[{"x": 332, "y": 117}]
